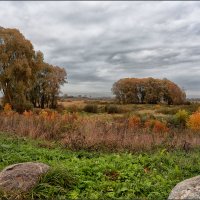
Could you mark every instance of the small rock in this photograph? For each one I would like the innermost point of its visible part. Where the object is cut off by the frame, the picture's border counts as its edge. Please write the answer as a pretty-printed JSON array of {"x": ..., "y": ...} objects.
[
  {"x": 187, "y": 189},
  {"x": 21, "y": 177}
]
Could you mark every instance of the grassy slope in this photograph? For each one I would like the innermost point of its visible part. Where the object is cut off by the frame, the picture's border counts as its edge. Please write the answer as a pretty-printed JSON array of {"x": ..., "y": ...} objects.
[{"x": 101, "y": 175}]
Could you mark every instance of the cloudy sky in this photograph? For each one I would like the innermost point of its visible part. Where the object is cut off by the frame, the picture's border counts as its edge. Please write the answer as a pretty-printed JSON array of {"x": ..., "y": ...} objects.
[{"x": 101, "y": 42}]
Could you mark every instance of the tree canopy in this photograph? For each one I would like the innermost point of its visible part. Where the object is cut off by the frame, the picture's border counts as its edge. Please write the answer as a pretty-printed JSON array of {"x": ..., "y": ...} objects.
[
  {"x": 148, "y": 90},
  {"x": 25, "y": 79}
]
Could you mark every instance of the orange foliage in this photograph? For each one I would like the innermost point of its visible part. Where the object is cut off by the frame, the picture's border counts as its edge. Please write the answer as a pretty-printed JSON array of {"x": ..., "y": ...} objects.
[
  {"x": 194, "y": 121},
  {"x": 27, "y": 113},
  {"x": 48, "y": 114},
  {"x": 149, "y": 124},
  {"x": 156, "y": 126},
  {"x": 134, "y": 122},
  {"x": 7, "y": 107},
  {"x": 160, "y": 127}
]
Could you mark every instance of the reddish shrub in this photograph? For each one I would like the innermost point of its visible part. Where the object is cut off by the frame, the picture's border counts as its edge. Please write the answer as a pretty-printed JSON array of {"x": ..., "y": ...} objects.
[{"x": 134, "y": 122}]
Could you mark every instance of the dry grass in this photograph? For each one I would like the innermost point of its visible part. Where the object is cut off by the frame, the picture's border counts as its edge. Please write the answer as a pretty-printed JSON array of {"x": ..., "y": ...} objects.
[
  {"x": 45, "y": 126},
  {"x": 112, "y": 136},
  {"x": 95, "y": 132},
  {"x": 69, "y": 103}
]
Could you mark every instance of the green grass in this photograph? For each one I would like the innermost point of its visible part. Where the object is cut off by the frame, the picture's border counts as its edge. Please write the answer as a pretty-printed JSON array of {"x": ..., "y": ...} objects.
[{"x": 96, "y": 175}]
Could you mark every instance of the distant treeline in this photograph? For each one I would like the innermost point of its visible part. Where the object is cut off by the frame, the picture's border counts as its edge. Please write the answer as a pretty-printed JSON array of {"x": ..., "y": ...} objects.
[
  {"x": 25, "y": 79},
  {"x": 148, "y": 90}
]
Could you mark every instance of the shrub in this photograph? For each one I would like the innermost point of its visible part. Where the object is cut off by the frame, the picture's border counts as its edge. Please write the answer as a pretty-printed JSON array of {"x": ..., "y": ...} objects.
[
  {"x": 194, "y": 121},
  {"x": 22, "y": 106},
  {"x": 7, "y": 107},
  {"x": 134, "y": 122},
  {"x": 156, "y": 126},
  {"x": 112, "y": 109},
  {"x": 181, "y": 117},
  {"x": 159, "y": 127},
  {"x": 91, "y": 108}
]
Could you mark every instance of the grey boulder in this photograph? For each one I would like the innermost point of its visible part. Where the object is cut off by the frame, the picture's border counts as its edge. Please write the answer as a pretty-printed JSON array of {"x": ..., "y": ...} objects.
[
  {"x": 187, "y": 189},
  {"x": 21, "y": 177}
]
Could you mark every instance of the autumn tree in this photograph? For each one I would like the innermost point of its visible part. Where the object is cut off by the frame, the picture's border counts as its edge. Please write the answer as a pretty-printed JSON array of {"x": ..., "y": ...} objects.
[
  {"x": 173, "y": 94},
  {"x": 21, "y": 67},
  {"x": 147, "y": 90},
  {"x": 46, "y": 88}
]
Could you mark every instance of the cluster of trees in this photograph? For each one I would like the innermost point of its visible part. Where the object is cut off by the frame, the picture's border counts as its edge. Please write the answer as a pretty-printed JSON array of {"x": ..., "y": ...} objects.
[
  {"x": 148, "y": 90},
  {"x": 25, "y": 79}
]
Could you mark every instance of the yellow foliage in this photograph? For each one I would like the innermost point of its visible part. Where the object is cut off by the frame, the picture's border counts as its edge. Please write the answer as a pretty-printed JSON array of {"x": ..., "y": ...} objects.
[
  {"x": 43, "y": 114},
  {"x": 7, "y": 107},
  {"x": 194, "y": 121}
]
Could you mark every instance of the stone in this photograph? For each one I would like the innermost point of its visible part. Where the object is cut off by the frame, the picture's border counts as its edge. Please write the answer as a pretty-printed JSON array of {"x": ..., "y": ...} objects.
[
  {"x": 187, "y": 189},
  {"x": 21, "y": 177}
]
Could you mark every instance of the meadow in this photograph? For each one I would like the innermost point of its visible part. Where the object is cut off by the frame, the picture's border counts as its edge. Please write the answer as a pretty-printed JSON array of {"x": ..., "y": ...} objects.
[
  {"x": 99, "y": 175},
  {"x": 103, "y": 125},
  {"x": 98, "y": 149}
]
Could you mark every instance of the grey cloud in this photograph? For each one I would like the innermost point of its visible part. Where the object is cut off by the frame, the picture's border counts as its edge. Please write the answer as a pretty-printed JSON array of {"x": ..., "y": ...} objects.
[{"x": 101, "y": 42}]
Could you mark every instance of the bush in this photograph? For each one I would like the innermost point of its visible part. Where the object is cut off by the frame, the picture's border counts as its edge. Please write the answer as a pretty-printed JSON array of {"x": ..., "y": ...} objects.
[
  {"x": 194, "y": 121},
  {"x": 91, "y": 108},
  {"x": 156, "y": 126},
  {"x": 22, "y": 106},
  {"x": 7, "y": 107},
  {"x": 134, "y": 122},
  {"x": 181, "y": 117},
  {"x": 110, "y": 109}
]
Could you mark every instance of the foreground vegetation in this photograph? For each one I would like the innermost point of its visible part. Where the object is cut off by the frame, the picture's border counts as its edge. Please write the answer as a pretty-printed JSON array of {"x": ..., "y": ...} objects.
[
  {"x": 131, "y": 128},
  {"x": 98, "y": 175}
]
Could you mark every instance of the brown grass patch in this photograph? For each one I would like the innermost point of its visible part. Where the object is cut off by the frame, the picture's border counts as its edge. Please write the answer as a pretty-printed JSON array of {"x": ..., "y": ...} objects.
[{"x": 95, "y": 133}]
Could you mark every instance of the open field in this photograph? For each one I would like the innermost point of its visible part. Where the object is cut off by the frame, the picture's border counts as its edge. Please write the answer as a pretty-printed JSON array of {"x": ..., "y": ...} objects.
[
  {"x": 102, "y": 150},
  {"x": 98, "y": 175}
]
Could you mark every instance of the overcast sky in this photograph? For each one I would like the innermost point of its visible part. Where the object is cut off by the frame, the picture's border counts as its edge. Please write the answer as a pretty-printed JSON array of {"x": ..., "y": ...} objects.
[{"x": 101, "y": 42}]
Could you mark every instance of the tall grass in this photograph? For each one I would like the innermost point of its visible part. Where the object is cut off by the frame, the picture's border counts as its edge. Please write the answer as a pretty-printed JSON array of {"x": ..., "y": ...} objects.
[
  {"x": 112, "y": 136},
  {"x": 43, "y": 126},
  {"x": 94, "y": 133}
]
